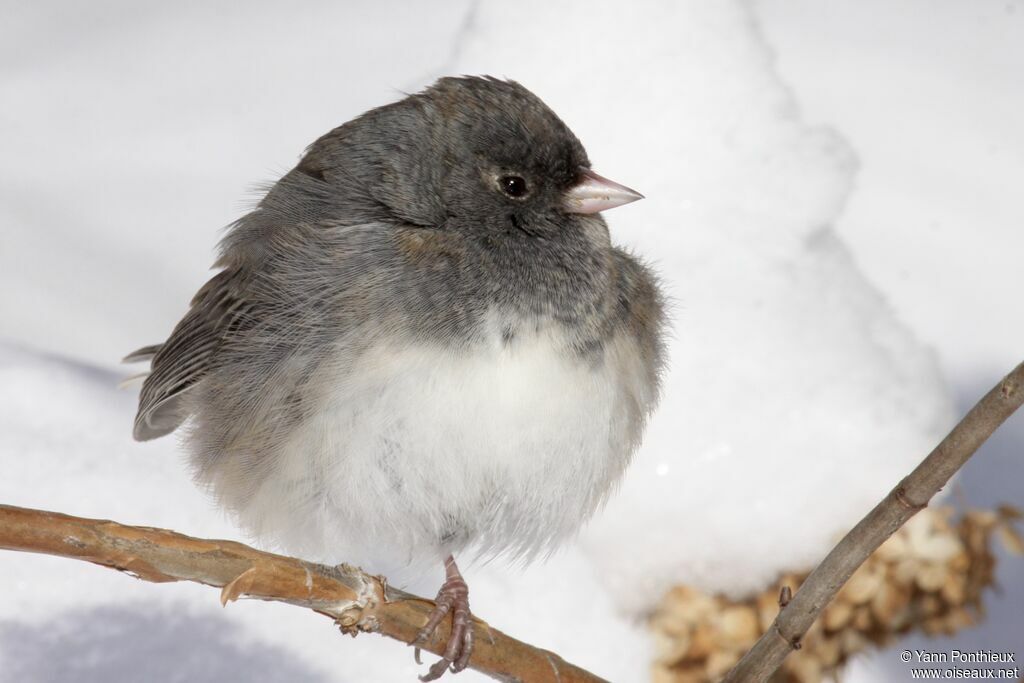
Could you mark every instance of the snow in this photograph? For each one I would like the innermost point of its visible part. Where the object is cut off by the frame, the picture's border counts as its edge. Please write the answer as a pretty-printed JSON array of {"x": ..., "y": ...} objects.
[
  {"x": 771, "y": 313},
  {"x": 799, "y": 391},
  {"x": 930, "y": 98}
]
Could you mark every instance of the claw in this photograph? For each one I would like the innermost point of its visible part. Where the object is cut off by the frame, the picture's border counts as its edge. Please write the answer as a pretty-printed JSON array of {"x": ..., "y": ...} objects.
[
  {"x": 453, "y": 597},
  {"x": 437, "y": 670},
  {"x": 467, "y": 649}
]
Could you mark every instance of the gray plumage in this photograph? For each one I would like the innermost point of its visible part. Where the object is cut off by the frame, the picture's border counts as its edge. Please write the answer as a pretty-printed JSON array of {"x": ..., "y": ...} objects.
[{"x": 398, "y": 360}]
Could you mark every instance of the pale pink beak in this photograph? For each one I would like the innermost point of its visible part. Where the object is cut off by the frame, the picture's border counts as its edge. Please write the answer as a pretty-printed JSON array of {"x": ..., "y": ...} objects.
[{"x": 596, "y": 193}]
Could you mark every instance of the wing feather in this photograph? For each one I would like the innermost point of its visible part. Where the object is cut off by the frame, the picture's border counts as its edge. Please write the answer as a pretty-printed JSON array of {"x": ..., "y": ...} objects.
[{"x": 187, "y": 355}]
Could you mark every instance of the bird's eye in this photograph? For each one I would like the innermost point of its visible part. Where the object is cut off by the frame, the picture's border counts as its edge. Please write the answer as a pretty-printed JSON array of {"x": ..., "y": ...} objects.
[{"x": 513, "y": 185}]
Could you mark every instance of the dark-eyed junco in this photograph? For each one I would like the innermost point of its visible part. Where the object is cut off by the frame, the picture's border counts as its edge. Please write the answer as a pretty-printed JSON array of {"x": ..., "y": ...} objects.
[{"x": 420, "y": 343}]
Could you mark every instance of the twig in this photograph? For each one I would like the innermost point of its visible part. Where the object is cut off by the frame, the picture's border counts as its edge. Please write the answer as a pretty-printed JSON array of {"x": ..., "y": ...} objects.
[
  {"x": 353, "y": 598},
  {"x": 909, "y": 496}
]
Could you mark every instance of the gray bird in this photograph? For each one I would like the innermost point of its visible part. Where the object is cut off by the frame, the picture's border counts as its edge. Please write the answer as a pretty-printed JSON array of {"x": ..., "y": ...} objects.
[{"x": 421, "y": 343}]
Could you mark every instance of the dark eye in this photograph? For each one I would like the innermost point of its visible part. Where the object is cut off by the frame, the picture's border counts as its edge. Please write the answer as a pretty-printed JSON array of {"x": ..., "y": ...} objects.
[{"x": 512, "y": 185}]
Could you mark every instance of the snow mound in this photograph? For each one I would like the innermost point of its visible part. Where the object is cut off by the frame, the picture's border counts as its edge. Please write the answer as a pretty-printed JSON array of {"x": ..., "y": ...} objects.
[{"x": 795, "y": 399}]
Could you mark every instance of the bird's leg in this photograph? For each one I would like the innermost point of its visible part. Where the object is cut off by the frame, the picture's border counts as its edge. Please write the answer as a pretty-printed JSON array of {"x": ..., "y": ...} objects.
[{"x": 453, "y": 597}]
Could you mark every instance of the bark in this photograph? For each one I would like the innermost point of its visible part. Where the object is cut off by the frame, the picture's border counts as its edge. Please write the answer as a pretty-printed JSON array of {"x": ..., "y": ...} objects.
[{"x": 358, "y": 602}]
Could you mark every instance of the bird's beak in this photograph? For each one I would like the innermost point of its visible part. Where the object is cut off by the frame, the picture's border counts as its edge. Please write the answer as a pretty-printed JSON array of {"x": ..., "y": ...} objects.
[{"x": 595, "y": 193}]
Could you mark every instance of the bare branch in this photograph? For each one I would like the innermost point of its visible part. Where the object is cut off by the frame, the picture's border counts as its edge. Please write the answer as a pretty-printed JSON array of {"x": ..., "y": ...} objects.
[
  {"x": 909, "y": 496},
  {"x": 353, "y": 598}
]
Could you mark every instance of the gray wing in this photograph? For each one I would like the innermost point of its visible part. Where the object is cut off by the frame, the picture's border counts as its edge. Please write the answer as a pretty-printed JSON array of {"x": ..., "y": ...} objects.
[{"x": 188, "y": 355}]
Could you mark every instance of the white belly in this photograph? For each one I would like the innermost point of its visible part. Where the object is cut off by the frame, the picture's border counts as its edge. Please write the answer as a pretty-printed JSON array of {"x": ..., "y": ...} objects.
[{"x": 416, "y": 452}]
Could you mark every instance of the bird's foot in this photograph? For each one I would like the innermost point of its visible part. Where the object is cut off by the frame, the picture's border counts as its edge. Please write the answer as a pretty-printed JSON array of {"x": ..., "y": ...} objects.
[{"x": 453, "y": 597}]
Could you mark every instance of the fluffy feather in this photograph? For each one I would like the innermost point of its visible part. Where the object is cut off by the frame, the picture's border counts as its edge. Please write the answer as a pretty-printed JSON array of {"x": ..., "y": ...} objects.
[{"x": 397, "y": 361}]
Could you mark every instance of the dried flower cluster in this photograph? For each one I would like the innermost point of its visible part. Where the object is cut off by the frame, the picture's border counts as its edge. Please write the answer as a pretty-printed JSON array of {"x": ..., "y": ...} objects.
[{"x": 928, "y": 577}]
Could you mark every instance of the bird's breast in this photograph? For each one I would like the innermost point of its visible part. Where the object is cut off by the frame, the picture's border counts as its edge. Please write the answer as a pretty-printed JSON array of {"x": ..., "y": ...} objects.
[{"x": 415, "y": 450}]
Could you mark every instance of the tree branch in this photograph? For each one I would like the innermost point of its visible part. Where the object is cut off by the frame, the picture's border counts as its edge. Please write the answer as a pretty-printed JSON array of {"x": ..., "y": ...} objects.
[
  {"x": 357, "y": 601},
  {"x": 909, "y": 496}
]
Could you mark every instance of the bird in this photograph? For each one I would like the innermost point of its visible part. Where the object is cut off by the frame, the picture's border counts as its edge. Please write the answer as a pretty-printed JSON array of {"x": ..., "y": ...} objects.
[{"x": 420, "y": 344}]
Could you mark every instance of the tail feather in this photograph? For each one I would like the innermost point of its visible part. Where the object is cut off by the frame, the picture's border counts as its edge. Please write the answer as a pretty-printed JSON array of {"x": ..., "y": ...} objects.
[
  {"x": 146, "y": 353},
  {"x": 133, "y": 380}
]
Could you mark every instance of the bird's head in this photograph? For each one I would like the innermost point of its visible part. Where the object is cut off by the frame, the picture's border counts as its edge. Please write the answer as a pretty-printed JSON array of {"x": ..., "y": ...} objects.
[{"x": 469, "y": 153}]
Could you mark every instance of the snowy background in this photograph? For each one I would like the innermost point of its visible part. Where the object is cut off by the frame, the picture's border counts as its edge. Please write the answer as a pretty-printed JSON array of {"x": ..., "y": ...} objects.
[{"x": 833, "y": 202}]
